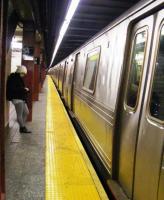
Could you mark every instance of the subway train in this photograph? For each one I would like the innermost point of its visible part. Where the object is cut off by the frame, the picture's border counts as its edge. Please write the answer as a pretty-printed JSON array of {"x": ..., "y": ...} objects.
[{"x": 114, "y": 86}]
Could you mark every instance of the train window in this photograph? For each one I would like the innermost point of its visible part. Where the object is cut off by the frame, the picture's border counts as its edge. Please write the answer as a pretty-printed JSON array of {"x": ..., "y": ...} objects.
[
  {"x": 65, "y": 72},
  {"x": 76, "y": 70},
  {"x": 137, "y": 62},
  {"x": 91, "y": 69},
  {"x": 157, "y": 94}
]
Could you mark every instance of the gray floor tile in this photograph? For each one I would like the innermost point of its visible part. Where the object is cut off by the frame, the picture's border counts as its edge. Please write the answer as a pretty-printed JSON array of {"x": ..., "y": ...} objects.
[{"x": 25, "y": 156}]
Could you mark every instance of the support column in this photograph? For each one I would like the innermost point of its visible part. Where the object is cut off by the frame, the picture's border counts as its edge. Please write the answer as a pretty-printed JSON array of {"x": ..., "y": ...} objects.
[
  {"x": 36, "y": 71},
  {"x": 3, "y": 30},
  {"x": 28, "y": 61},
  {"x": 42, "y": 69}
]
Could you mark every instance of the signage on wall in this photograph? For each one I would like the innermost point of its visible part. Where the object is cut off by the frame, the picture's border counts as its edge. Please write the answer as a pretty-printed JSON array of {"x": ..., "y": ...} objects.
[{"x": 28, "y": 53}]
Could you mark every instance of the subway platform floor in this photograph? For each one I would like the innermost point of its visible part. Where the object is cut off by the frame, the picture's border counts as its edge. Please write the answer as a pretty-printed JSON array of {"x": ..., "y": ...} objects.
[
  {"x": 50, "y": 163},
  {"x": 25, "y": 155}
]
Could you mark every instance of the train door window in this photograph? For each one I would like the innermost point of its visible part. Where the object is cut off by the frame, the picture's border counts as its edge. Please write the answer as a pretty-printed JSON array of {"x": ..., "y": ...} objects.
[
  {"x": 157, "y": 93},
  {"x": 136, "y": 67},
  {"x": 91, "y": 70},
  {"x": 65, "y": 71},
  {"x": 77, "y": 65}
]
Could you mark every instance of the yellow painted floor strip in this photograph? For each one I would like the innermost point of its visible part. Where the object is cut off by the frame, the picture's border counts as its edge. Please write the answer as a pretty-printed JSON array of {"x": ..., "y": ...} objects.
[{"x": 69, "y": 173}]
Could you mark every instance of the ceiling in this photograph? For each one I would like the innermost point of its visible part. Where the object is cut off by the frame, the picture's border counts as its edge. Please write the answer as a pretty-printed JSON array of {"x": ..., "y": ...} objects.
[{"x": 90, "y": 17}]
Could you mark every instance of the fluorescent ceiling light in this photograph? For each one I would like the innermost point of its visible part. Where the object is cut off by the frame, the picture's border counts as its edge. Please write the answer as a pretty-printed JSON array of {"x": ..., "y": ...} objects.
[{"x": 69, "y": 15}]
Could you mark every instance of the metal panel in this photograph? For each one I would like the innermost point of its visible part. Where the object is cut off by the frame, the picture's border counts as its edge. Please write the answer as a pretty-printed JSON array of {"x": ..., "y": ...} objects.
[
  {"x": 161, "y": 182},
  {"x": 112, "y": 47},
  {"x": 129, "y": 118},
  {"x": 96, "y": 111},
  {"x": 96, "y": 129},
  {"x": 149, "y": 169}
]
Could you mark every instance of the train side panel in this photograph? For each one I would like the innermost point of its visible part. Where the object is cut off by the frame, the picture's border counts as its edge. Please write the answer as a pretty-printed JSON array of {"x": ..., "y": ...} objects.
[{"x": 95, "y": 110}]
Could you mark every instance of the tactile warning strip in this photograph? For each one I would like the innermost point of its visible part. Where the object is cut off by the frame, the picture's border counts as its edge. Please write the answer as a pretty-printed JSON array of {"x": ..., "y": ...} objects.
[{"x": 69, "y": 173}]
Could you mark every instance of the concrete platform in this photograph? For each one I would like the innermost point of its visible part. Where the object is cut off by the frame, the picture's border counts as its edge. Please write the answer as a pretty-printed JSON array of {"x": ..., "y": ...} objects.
[{"x": 25, "y": 155}]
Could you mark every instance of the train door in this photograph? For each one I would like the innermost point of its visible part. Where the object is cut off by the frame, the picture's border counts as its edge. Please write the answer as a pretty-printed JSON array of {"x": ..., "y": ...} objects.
[
  {"x": 58, "y": 79},
  {"x": 74, "y": 80},
  {"x": 131, "y": 105},
  {"x": 149, "y": 170},
  {"x": 70, "y": 79},
  {"x": 65, "y": 91},
  {"x": 63, "y": 79}
]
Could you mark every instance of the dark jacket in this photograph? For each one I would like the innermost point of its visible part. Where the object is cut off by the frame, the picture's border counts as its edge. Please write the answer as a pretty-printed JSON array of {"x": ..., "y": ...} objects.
[{"x": 16, "y": 87}]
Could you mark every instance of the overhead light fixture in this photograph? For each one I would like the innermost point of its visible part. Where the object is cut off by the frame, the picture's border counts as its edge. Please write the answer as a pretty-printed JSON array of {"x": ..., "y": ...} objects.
[{"x": 72, "y": 8}]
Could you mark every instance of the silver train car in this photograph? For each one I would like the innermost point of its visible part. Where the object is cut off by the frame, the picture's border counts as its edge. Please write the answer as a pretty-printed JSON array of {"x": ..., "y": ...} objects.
[{"x": 114, "y": 86}]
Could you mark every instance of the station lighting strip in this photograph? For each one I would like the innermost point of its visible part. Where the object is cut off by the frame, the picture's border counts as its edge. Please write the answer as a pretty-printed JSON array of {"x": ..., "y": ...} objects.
[{"x": 72, "y": 8}]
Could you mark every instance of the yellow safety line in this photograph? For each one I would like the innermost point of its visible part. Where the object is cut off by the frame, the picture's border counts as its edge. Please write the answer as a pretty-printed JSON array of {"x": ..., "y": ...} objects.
[{"x": 69, "y": 173}]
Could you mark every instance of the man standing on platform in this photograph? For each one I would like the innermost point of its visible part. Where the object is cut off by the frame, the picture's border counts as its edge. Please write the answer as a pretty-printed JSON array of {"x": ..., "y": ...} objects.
[{"x": 17, "y": 93}]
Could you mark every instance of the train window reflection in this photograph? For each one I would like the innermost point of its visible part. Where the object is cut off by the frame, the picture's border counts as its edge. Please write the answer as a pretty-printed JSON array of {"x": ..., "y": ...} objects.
[
  {"x": 91, "y": 69},
  {"x": 137, "y": 62},
  {"x": 157, "y": 95}
]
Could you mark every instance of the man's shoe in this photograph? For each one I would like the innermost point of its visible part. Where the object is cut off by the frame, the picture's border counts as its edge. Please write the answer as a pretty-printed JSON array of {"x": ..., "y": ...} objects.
[{"x": 24, "y": 130}]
